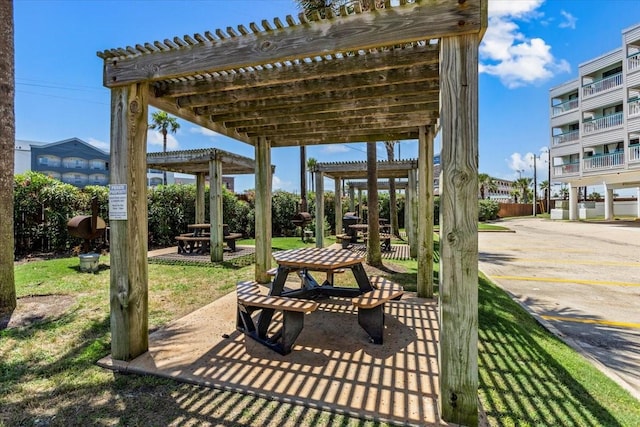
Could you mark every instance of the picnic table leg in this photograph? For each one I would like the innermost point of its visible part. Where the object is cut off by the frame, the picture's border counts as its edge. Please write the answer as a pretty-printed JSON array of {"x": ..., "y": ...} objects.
[
  {"x": 232, "y": 244},
  {"x": 372, "y": 321},
  {"x": 361, "y": 278}
]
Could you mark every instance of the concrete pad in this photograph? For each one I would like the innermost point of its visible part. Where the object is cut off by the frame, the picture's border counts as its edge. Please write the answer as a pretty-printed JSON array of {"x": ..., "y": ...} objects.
[{"x": 332, "y": 366}]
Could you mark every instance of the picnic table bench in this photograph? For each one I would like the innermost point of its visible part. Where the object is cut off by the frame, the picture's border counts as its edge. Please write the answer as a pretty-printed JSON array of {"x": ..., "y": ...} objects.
[
  {"x": 293, "y": 310},
  {"x": 371, "y": 306}
]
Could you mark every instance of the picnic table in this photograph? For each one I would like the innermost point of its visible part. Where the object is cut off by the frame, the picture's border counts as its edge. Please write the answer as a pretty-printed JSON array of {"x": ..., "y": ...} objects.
[
  {"x": 199, "y": 237},
  {"x": 369, "y": 297},
  {"x": 385, "y": 234}
]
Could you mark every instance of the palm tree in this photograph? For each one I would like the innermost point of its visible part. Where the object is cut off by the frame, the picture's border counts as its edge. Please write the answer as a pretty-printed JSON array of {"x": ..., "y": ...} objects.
[
  {"x": 164, "y": 123},
  {"x": 544, "y": 187},
  {"x": 486, "y": 183},
  {"x": 311, "y": 164},
  {"x": 7, "y": 145},
  {"x": 515, "y": 193},
  {"x": 523, "y": 184}
]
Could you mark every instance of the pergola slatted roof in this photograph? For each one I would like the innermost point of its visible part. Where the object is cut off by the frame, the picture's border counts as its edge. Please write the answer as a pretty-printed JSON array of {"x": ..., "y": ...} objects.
[
  {"x": 349, "y": 78},
  {"x": 358, "y": 170},
  {"x": 197, "y": 161}
]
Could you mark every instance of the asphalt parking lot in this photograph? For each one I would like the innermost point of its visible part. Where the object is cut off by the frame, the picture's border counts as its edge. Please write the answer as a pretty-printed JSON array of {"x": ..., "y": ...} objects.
[{"x": 580, "y": 279}]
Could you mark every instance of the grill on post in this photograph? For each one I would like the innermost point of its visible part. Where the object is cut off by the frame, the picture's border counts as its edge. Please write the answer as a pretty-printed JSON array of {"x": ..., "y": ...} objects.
[
  {"x": 301, "y": 219},
  {"x": 351, "y": 218},
  {"x": 87, "y": 227}
]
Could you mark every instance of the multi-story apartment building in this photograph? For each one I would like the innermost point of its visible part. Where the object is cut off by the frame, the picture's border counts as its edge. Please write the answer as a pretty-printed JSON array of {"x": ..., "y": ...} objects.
[
  {"x": 72, "y": 161},
  {"x": 595, "y": 125}
]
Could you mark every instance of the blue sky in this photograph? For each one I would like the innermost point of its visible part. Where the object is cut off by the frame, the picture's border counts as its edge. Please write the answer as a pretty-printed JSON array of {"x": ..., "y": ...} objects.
[{"x": 530, "y": 46}]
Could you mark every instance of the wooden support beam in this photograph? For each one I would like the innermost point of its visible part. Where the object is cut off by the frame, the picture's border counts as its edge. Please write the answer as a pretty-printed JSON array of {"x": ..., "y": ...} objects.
[
  {"x": 263, "y": 210},
  {"x": 200, "y": 184},
  {"x": 319, "y": 177},
  {"x": 352, "y": 201},
  {"x": 458, "y": 293},
  {"x": 412, "y": 232},
  {"x": 128, "y": 236},
  {"x": 425, "y": 209},
  {"x": 373, "y": 62},
  {"x": 216, "y": 245},
  {"x": 338, "y": 204}
]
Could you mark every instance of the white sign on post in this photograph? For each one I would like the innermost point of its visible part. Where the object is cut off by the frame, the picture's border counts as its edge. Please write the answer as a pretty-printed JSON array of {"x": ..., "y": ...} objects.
[{"x": 118, "y": 202}]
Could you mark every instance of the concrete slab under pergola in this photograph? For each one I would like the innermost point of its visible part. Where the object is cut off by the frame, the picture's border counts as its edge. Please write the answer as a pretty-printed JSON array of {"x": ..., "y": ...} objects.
[
  {"x": 211, "y": 162},
  {"x": 391, "y": 73}
]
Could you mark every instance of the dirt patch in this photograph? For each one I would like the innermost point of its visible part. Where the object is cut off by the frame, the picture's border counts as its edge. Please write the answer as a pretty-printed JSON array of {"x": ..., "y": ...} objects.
[{"x": 36, "y": 309}]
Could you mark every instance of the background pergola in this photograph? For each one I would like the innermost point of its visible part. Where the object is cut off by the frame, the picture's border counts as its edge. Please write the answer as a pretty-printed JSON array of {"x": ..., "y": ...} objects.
[
  {"x": 204, "y": 162},
  {"x": 358, "y": 170},
  {"x": 387, "y": 74}
]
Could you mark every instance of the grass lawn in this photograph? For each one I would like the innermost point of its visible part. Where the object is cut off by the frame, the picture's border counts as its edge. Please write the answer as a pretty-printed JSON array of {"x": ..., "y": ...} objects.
[{"x": 48, "y": 374}]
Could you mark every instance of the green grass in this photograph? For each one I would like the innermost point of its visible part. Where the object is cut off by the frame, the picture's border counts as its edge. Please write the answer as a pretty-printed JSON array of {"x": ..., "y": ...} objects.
[{"x": 48, "y": 374}]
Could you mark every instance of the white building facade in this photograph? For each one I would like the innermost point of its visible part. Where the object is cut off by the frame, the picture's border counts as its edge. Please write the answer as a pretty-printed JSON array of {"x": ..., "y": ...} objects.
[{"x": 595, "y": 125}]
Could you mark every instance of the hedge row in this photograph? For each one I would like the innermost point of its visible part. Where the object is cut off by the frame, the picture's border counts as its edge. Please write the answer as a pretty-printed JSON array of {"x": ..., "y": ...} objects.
[{"x": 43, "y": 206}]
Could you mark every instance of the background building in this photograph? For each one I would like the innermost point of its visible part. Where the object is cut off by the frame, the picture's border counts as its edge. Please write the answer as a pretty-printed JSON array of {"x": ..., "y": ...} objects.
[
  {"x": 595, "y": 125},
  {"x": 72, "y": 161}
]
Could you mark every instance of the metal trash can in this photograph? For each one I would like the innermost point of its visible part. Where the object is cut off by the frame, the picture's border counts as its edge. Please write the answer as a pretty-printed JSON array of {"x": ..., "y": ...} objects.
[{"x": 90, "y": 262}]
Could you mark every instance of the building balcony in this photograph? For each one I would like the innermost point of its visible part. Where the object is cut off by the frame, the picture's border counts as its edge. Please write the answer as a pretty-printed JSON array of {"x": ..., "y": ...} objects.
[
  {"x": 603, "y": 123},
  {"x": 604, "y": 161},
  {"x": 633, "y": 62},
  {"x": 601, "y": 85},
  {"x": 563, "y": 138},
  {"x": 634, "y": 153},
  {"x": 566, "y": 169},
  {"x": 562, "y": 108},
  {"x": 634, "y": 108}
]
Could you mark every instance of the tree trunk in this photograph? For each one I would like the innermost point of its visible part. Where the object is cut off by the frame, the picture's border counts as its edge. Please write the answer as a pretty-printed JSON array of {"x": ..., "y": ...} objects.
[
  {"x": 374, "y": 256},
  {"x": 7, "y": 148},
  {"x": 164, "y": 150},
  {"x": 303, "y": 179},
  {"x": 393, "y": 207}
]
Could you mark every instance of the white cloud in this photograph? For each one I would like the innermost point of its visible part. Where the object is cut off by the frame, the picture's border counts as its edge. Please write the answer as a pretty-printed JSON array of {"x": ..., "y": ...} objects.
[
  {"x": 279, "y": 184},
  {"x": 105, "y": 146},
  {"x": 570, "y": 20},
  {"x": 203, "y": 131},
  {"x": 335, "y": 148},
  {"x": 522, "y": 165},
  {"x": 508, "y": 54},
  {"x": 155, "y": 138}
]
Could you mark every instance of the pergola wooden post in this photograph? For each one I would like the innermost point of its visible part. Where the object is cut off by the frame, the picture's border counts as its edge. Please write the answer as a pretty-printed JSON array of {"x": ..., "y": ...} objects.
[
  {"x": 412, "y": 232},
  {"x": 319, "y": 176},
  {"x": 216, "y": 244},
  {"x": 200, "y": 183},
  {"x": 128, "y": 239},
  {"x": 459, "y": 230},
  {"x": 425, "y": 209},
  {"x": 352, "y": 201},
  {"x": 338, "y": 204},
  {"x": 263, "y": 210}
]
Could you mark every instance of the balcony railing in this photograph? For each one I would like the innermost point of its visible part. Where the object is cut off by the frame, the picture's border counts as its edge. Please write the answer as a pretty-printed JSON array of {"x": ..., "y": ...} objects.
[
  {"x": 572, "y": 135},
  {"x": 562, "y": 108},
  {"x": 566, "y": 169},
  {"x": 633, "y": 62},
  {"x": 604, "y": 161},
  {"x": 603, "y": 123},
  {"x": 602, "y": 85},
  {"x": 634, "y": 153},
  {"x": 634, "y": 108}
]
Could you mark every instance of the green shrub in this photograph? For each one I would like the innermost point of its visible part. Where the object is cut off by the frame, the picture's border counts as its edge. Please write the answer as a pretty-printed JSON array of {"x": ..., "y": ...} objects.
[{"x": 488, "y": 210}]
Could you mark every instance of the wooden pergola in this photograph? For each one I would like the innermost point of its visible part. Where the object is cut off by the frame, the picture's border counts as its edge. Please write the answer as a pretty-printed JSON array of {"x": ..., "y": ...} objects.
[
  {"x": 386, "y": 74},
  {"x": 358, "y": 170},
  {"x": 211, "y": 162}
]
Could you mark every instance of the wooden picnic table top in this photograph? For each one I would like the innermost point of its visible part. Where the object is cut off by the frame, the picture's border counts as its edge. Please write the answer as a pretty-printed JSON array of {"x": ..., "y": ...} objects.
[{"x": 322, "y": 258}]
